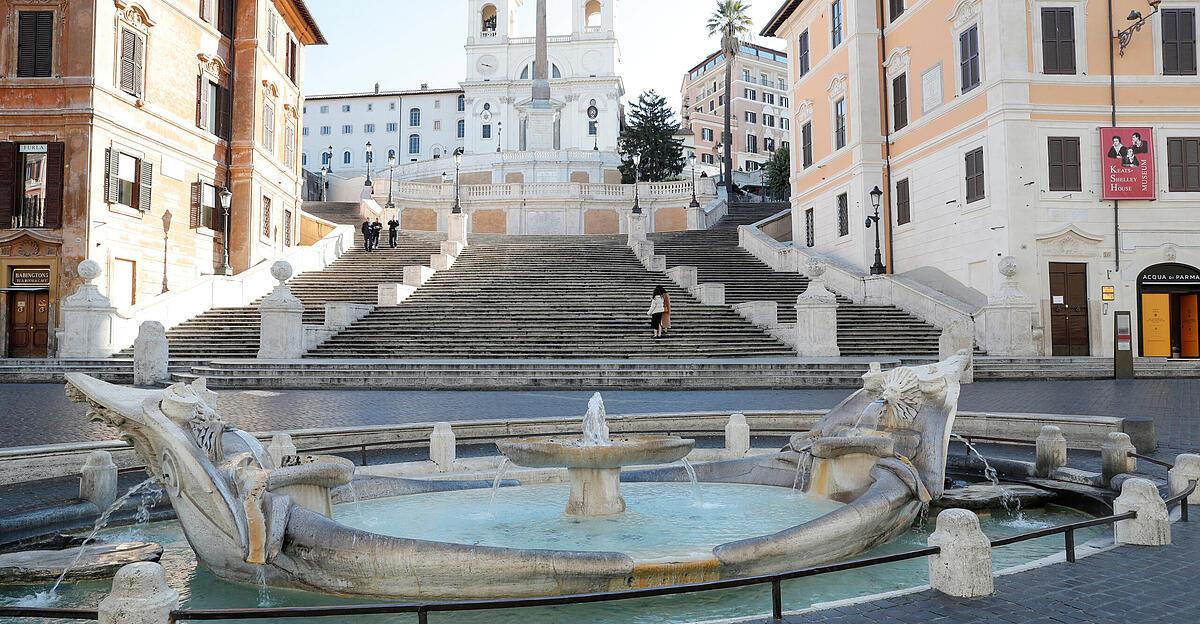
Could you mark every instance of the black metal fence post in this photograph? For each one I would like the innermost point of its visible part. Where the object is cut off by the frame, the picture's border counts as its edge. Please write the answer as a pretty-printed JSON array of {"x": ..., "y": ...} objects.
[
  {"x": 776, "y": 600},
  {"x": 1070, "y": 537}
]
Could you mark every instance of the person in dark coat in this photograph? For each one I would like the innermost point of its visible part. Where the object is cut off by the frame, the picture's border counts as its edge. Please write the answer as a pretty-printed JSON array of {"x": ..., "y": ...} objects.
[
  {"x": 376, "y": 228},
  {"x": 393, "y": 230},
  {"x": 366, "y": 232}
]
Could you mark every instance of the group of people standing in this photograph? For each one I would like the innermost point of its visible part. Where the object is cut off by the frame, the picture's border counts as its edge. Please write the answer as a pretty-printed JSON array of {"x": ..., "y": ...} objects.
[
  {"x": 660, "y": 312},
  {"x": 371, "y": 232}
]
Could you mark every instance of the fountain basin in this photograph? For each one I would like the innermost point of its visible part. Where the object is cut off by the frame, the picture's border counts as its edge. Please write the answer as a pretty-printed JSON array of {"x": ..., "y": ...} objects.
[{"x": 569, "y": 452}]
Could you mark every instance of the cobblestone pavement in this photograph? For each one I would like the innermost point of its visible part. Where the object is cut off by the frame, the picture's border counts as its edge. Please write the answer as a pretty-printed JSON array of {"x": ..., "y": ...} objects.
[{"x": 33, "y": 414}]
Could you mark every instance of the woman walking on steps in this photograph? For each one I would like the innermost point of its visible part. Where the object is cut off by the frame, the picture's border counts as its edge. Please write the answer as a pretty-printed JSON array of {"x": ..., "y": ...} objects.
[
  {"x": 657, "y": 307},
  {"x": 666, "y": 318}
]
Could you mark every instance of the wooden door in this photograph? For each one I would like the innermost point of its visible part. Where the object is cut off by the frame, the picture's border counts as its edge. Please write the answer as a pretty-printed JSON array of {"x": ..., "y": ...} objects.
[
  {"x": 1189, "y": 325},
  {"x": 28, "y": 324},
  {"x": 1069, "y": 309}
]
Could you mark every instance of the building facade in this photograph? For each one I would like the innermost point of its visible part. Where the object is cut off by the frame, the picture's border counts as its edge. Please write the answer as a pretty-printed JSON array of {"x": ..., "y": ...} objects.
[
  {"x": 120, "y": 123},
  {"x": 986, "y": 127},
  {"x": 761, "y": 107},
  {"x": 414, "y": 126}
]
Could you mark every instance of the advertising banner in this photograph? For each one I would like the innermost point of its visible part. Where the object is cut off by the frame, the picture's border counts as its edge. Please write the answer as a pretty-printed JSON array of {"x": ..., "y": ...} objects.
[{"x": 1127, "y": 163}]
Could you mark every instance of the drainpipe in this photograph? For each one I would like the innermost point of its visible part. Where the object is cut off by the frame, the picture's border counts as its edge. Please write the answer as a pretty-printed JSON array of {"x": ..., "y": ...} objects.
[
  {"x": 229, "y": 140},
  {"x": 887, "y": 139},
  {"x": 1112, "y": 90}
]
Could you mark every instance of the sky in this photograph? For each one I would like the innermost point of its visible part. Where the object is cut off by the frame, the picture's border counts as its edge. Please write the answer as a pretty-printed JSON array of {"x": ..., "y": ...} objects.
[{"x": 403, "y": 43}]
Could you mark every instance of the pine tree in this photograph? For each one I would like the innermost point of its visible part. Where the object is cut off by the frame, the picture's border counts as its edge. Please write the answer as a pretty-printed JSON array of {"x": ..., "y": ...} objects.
[
  {"x": 779, "y": 173},
  {"x": 651, "y": 133}
]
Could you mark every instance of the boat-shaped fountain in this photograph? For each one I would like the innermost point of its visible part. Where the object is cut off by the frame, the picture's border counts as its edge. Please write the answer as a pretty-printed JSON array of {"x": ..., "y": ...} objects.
[{"x": 875, "y": 460}]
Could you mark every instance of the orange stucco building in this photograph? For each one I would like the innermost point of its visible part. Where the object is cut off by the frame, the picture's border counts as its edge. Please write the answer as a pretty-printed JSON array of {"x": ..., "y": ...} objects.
[{"x": 120, "y": 123}]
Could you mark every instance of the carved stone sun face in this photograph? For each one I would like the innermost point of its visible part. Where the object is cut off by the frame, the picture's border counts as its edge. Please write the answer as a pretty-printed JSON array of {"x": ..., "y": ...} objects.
[{"x": 901, "y": 395}]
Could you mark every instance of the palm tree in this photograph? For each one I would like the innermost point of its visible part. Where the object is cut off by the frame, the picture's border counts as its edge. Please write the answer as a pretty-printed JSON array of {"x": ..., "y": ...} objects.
[{"x": 732, "y": 20}]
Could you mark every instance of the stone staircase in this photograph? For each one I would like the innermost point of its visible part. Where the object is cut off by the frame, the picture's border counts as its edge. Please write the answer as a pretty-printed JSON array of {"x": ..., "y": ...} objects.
[
  {"x": 863, "y": 330},
  {"x": 546, "y": 297},
  {"x": 353, "y": 278}
]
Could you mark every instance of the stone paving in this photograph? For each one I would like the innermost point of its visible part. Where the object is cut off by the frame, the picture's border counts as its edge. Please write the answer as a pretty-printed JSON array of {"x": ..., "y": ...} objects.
[{"x": 32, "y": 414}]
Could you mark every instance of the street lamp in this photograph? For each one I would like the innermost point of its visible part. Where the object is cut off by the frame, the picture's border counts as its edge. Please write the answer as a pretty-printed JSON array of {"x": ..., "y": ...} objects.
[
  {"x": 499, "y": 133},
  {"x": 692, "y": 161},
  {"x": 370, "y": 161},
  {"x": 324, "y": 182},
  {"x": 637, "y": 176},
  {"x": 1125, "y": 37},
  {"x": 458, "y": 154},
  {"x": 762, "y": 168},
  {"x": 876, "y": 198},
  {"x": 330, "y": 152},
  {"x": 391, "y": 167},
  {"x": 226, "y": 199}
]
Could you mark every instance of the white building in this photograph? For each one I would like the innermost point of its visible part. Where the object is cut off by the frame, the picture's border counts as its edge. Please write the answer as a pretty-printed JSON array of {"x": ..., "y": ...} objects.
[{"x": 415, "y": 126}]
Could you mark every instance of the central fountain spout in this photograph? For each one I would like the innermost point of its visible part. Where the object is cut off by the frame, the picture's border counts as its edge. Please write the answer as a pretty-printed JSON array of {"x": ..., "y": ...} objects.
[{"x": 594, "y": 460}]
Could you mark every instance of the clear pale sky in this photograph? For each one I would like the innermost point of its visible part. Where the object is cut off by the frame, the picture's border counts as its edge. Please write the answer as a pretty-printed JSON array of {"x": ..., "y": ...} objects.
[{"x": 403, "y": 43}]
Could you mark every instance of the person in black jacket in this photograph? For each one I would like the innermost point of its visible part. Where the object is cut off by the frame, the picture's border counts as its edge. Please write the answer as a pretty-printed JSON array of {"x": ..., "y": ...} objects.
[
  {"x": 393, "y": 230},
  {"x": 366, "y": 232},
  {"x": 376, "y": 228}
]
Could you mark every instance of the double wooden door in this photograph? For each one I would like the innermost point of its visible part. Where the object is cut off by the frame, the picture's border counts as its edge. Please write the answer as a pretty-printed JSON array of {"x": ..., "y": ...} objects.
[
  {"x": 1070, "y": 334},
  {"x": 28, "y": 324}
]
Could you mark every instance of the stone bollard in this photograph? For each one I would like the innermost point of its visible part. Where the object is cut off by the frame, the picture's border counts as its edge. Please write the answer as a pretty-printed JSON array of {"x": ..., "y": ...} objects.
[
  {"x": 457, "y": 224},
  {"x": 816, "y": 316},
  {"x": 1051, "y": 451},
  {"x": 1141, "y": 433},
  {"x": 282, "y": 334},
  {"x": 710, "y": 294},
  {"x": 1152, "y": 526},
  {"x": 963, "y": 568},
  {"x": 98, "y": 480},
  {"x": 281, "y": 446},
  {"x": 737, "y": 436},
  {"x": 87, "y": 319},
  {"x": 442, "y": 447},
  {"x": 1115, "y": 458},
  {"x": 1186, "y": 470},
  {"x": 637, "y": 231},
  {"x": 150, "y": 355},
  {"x": 452, "y": 248},
  {"x": 685, "y": 276},
  {"x": 140, "y": 595}
]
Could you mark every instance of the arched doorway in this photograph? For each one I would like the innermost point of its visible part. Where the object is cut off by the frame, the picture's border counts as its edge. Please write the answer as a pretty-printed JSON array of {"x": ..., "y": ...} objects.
[{"x": 1169, "y": 311}]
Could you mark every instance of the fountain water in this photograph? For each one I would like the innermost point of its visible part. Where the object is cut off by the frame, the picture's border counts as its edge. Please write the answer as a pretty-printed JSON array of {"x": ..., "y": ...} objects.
[
  {"x": 595, "y": 423},
  {"x": 691, "y": 472},
  {"x": 496, "y": 484},
  {"x": 264, "y": 592},
  {"x": 1010, "y": 503}
]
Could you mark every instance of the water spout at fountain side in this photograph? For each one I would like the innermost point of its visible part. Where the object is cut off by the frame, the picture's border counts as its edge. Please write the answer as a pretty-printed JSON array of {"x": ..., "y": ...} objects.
[{"x": 595, "y": 423}]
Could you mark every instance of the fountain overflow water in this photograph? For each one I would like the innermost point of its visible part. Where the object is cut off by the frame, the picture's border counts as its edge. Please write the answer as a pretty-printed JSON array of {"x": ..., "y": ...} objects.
[
  {"x": 1010, "y": 503},
  {"x": 595, "y": 426}
]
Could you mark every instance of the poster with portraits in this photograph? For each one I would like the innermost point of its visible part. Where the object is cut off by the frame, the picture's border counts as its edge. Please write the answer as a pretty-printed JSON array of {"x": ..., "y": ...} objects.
[{"x": 1127, "y": 161}]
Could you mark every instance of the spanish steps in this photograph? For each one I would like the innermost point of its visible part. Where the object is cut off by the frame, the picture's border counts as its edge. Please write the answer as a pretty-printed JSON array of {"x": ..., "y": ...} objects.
[{"x": 863, "y": 330}]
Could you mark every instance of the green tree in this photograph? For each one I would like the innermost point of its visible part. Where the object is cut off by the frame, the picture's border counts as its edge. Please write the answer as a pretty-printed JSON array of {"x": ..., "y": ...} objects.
[
  {"x": 731, "y": 20},
  {"x": 779, "y": 173},
  {"x": 651, "y": 133}
]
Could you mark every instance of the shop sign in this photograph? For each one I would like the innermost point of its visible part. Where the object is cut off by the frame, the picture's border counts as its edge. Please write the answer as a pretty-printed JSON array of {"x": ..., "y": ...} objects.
[
  {"x": 1108, "y": 293},
  {"x": 1127, "y": 163},
  {"x": 33, "y": 148},
  {"x": 30, "y": 277},
  {"x": 1171, "y": 274}
]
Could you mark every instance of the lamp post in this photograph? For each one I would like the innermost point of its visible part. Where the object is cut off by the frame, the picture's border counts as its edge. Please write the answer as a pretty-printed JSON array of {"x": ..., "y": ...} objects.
[
  {"x": 876, "y": 197},
  {"x": 226, "y": 200},
  {"x": 637, "y": 176},
  {"x": 692, "y": 162},
  {"x": 1125, "y": 37},
  {"x": 330, "y": 152},
  {"x": 324, "y": 182},
  {"x": 391, "y": 168},
  {"x": 762, "y": 181},
  {"x": 370, "y": 161},
  {"x": 458, "y": 154},
  {"x": 499, "y": 133}
]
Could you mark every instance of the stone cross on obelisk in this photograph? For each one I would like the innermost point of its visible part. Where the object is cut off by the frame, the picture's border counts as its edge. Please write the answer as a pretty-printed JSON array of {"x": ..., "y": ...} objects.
[
  {"x": 540, "y": 113},
  {"x": 541, "y": 66}
]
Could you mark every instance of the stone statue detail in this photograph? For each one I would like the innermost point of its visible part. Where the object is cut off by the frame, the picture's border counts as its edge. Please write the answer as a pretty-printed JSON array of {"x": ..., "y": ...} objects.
[{"x": 900, "y": 392}]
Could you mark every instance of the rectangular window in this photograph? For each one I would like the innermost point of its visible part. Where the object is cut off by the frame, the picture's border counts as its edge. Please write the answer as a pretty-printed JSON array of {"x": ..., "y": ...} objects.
[
  {"x": 974, "y": 171},
  {"x": 750, "y": 94},
  {"x": 345, "y": 108},
  {"x": 839, "y": 124},
  {"x": 1183, "y": 165},
  {"x": 843, "y": 214},
  {"x": 783, "y": 101},
  {"x": 437, "y": 124},
  {"x": 305, "y": 131},
  {"x": 206, "y": 10},
  {"x": 266, "y": 217},
  {"x": 751, "y": 117},
  {"x": 751, "y": 144},
  {"x": 35, "y": 44},
  {"x": 225, "y": 22},
  {"x": 393, "y": 127},
  {"x": 289, "y": 146},
  {"x": 1063, "y": 157},
  {"x": 900, "y": 102},
  {"x": 1179, "y": 42},
  {"x": 133, "y": 60},
  {"x": 129, "y": 181},
  {"x": 897, "y": 7},
  {"x": 769, "y": 98},
  {"x": 784, "y": 123},
  {"x": 591, "y": 128},
  {"x": 806, "y": 145},
  {"x": 368, "y": 128},
  {"x": 462, "y": 129},
  {"x": 287, "y": 228},
  {"x": 968, "y": 45},
  {"x": 324, "y": 110},
  {"x": 293, "y": 53},
  {"x": 802, "y": 54},
  {"x": 706, "y": 134},
  {"x": 347, "y": 129},
  {"x": 810, "y": 230},
  {"x": 268, "y": 134},
  {"x": 272, "y": 31},
  {"x": 1058, "y": 40},
  {"x": 903, "y": 210},
  {"x": 769, "y": 121},
  {"x": 487, "y": 131},
  {"x": 326, "y": 130},
  {"x": 835, "y": 24},
  {"x": 209, "y": 106},
  {"x": 207, "y": 216}
]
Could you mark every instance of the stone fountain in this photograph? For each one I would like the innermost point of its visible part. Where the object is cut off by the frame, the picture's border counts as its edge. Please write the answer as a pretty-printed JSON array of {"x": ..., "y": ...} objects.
[{"x": 594, "y": 460}]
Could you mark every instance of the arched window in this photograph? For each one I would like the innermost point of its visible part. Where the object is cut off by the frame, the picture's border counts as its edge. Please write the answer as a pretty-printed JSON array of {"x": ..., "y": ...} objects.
[
  {"x": 462, "y": 103},
  {"x": 391, "y": 154},
  {"x": 414, "y": 144},
  {"x": 437, "y": 153},
  {"x": 347, "y": 157},
  {"x": 304, "y": 159},
  {"x": 462, "y": 129},
  {"x": 325, "y": 158},
  {"x": 488, "y": 20},
  {"x": 414, "y": 117},
  {"x": 531, "y": 68},
  {"x": 591, "y": 12}
]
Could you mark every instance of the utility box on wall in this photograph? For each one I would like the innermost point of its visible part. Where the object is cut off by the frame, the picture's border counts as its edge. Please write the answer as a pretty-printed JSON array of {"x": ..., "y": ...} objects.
[{"x": 1123, "y": 349}]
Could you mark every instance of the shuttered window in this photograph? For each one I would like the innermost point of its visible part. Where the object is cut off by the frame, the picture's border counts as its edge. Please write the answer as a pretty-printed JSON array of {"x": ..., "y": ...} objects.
[
  {"x": 129, "y": 180},
  {"x": 8, "y": 182},
  {"x": 968, "y": 45},
  {"x": 225, "y": 19},
  {"x": 35, "y": 44},
  {"x": 272, "y": 31},
  {"x": 1179, "y": 42},
  {"x": 810, "y": 231},
  {"x": 897, "y": 7},
  {"x": 806, "y": 145},
  {"x": 843, "y": 214},
  {"x": 268, "y": 132},
  {"x": 974, "y": 168},
  {"x": 206, "y": 10},
  {"x": 839, "y": 124},
  {"x": 802, "y": 54},
  {"x": 900, "y": 101},
  {"x": 133, "y": 60},
  {"x": 1063, "y": 157},
  {"x": 903, "y": 208},
  {"x": 1183, "y": 165},
  {"x": 293, "y": 52},
  {"x": 287, "y": 228},
  {"x": 204, "y": 206},
  {"x": 1058, "y": 41}
]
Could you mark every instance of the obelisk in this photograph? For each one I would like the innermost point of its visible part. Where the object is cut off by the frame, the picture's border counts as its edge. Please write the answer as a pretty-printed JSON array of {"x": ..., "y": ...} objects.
[{"x": 540, "y": 113}]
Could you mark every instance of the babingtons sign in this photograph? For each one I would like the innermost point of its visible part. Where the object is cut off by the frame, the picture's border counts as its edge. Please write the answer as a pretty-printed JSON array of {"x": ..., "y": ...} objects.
[{"x": 1127, "y": 163}]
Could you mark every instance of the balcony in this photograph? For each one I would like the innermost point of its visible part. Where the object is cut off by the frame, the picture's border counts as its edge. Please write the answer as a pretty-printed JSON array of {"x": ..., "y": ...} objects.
[{"x": 30, "y": 214}]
